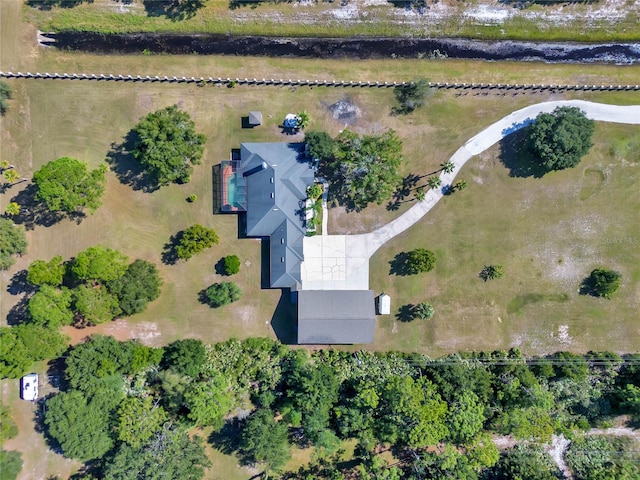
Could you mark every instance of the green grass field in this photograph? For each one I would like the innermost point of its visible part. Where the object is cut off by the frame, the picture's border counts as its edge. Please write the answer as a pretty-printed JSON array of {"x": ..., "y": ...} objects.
[
  {"x": 549, "y": 233},
  {"x": 359, "y": 18}
]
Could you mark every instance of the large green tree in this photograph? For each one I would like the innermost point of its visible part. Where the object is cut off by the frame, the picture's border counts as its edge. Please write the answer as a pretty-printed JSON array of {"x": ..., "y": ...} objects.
[
  {"x": 465, "y": 418},
  {"x": 12, "y": 242},
  {"x": 312, "y": 390},
  {"x": 209, "y": 402},
  {"x": 81, "y": 424},
  {"x": 139, "y": 419},
  {"x": 411, "y": 413},
  {"x": 99, "y": 264},
  {"x": 263, "y": 440},
  {"x": 10, "y": 464},
  {"x": 194, "y": 240},
  {"x": 186, "y": 357},
  {"x": 170, "y": 453},
  {"x": 561, "y": 138},
  {"x": 24, "y": 344},
  {"x": 603, "y": 283},
  {"x": 167, "y": 145},
  {"x": 99, "y": 361},
  {"x": 47, "y": 273},
  {"x": 320, "y": 145},
  {"x": 67, "y": 185},
  {"x": 420, "y": 260},
  {"x": 220, "y": 294},
  {"x": 364, "y": 169},
  {"x": 530, "y": 462},
  {"x": 95, "y": 303},
  {"x": 51, "y": 307},
  {"x": 139, "y": 285}
]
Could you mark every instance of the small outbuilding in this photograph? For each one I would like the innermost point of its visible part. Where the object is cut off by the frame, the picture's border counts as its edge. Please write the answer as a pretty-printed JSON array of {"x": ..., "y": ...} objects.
[
  {"x": 384, "y": 304},
  {"x": 255, "y": 118}
]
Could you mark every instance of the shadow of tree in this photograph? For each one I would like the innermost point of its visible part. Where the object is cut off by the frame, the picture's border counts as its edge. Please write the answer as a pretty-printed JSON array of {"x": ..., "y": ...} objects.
[
  {"x": 516, "y": 156},
  {"x": 406, "y": 186},
  {"x": 400, "y": 265},
  {"x": 128, "y": 169},
  {"x": 234, "y": 4},
  {"x": 447, "y": 189},
  {"x": 588, "y": 287},
  {"x": 169, "y": 254},
  {"x": 19, "y": 312},
  {"x": 175, "y": 10},
  {"x": 220, "y": 269},
  {"x": 35, "y": 213},
  {"x": 49, "y": 4},
  {"x": 393, "y": 205},
  {"x": 18, "y": 284},
  {"x": 406, "y": 313},
  {"x": 289, "y": 130},
  {"x": 227, "y": 439}
]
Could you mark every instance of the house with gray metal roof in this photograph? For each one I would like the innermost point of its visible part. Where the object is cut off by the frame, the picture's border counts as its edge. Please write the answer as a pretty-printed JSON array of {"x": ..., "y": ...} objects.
[{"x": 267, "y": 184}]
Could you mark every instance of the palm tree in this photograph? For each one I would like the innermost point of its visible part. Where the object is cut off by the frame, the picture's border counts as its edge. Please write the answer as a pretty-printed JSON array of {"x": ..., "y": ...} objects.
[
  {"x": 11, "y": 175},
  {"x": 4, "y": 165},
  {"x": 12, "y": 209},
  {"x": 448, "y": 166},
  {"x": 420, "y": 194},
  {"x": 460, "y": 185},
  {"x": 434, "y": 182},
  {"x": 303, "y": 119},
  {"x": 423, "y": 311}
]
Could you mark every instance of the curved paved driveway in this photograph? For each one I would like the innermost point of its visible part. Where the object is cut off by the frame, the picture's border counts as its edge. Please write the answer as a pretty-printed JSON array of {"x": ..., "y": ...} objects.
[{"x": 342, "y": 261}]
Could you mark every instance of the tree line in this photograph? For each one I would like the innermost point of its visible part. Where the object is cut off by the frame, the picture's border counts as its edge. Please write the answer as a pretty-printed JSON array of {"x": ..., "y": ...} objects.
[
  {"x": 92, "y": 288},
  {"x": 126, "y": 408}
]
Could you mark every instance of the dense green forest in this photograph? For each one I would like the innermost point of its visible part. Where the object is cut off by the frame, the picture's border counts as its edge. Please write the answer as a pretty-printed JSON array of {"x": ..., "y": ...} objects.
[{"x": 126, "y": 409}]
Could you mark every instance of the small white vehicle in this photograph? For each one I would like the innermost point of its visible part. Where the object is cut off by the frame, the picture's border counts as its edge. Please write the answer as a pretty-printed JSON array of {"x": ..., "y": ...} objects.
[{"x": 29, "y": 388}]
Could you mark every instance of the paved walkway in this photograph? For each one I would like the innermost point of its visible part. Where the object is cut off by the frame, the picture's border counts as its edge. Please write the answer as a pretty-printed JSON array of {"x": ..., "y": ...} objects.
[{"x": 346, "y": 263}]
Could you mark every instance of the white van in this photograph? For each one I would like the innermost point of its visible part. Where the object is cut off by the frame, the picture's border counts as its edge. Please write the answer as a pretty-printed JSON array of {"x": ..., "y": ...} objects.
[{"x": 30, "y": 387}]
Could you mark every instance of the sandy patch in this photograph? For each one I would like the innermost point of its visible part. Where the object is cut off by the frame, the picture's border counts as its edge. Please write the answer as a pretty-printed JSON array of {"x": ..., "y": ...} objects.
[
  {"x": 563, "y": 335},
  {"x": 558, "y": 446},
  {"x": 121, "y": 329}
]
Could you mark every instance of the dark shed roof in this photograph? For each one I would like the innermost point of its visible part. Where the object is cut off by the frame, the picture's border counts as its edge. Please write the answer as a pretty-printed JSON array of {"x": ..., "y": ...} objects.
[{"x": 336, "y": 316}]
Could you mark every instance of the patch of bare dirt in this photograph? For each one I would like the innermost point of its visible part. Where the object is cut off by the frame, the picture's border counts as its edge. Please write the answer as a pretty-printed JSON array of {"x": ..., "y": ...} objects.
[
  {"x": 146, "y": 332},
  {"x": 558, "y": 446}
]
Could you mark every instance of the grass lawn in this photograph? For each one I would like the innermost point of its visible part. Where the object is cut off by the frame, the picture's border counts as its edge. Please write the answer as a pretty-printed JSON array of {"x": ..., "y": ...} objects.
[
  {"x": 357, "y": 18},
  {"x": 548, "y": 233}
]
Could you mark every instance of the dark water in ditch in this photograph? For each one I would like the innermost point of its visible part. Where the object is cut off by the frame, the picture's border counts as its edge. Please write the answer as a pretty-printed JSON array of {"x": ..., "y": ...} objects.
[{"x": 357, "y": 48}]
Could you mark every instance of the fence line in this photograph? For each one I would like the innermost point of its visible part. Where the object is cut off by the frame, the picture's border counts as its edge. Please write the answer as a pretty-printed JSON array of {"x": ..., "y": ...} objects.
[{"x": 231, "y": 82}]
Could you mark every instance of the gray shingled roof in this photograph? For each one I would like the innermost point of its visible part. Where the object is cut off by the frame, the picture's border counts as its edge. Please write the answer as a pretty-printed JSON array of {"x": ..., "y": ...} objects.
[
  {"x": 336, "y": 316},
  {"x": 277, "y": 176},
  {"x": 255, "y": 118}
]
